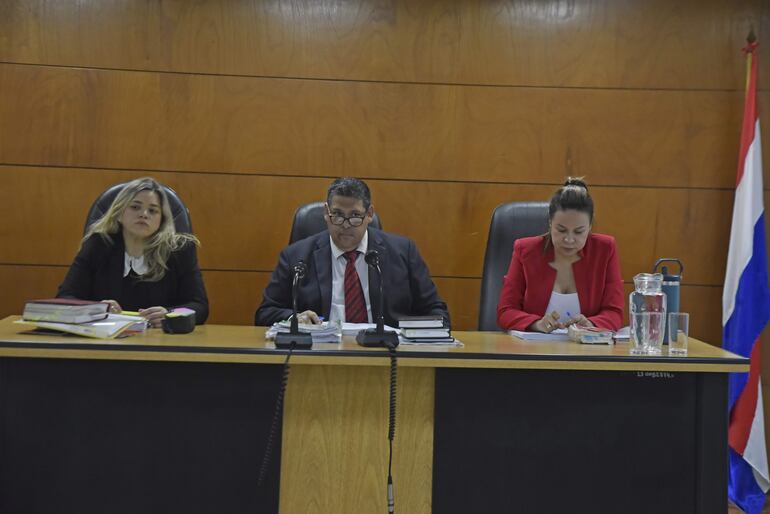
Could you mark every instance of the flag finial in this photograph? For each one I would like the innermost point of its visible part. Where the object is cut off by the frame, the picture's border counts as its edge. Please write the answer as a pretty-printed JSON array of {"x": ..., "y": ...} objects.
[{"x": 751, "y": 38}]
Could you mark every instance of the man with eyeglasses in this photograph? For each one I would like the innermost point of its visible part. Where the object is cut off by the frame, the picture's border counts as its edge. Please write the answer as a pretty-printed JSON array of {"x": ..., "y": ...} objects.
[{"x": 338, "y": 284}]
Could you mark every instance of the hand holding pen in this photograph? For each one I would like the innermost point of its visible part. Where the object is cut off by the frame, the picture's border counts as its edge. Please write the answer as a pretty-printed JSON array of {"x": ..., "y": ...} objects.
[
  {"x": 578, "y": 319},
  {"x": 547, "y": 324}
]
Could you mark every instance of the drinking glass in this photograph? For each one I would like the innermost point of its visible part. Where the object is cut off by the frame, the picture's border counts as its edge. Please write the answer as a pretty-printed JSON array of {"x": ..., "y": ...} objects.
[{"x": 678, "y": 330}]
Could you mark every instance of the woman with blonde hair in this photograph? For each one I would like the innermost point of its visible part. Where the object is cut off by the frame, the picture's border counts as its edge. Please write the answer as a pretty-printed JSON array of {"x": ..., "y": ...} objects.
[{"x": 133, "y": 258}]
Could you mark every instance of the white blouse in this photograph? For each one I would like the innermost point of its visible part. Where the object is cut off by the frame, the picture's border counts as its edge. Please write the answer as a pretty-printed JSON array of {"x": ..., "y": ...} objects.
[
  {"x": 135, "y": 263},
  {"x": 567, "y": 305}
]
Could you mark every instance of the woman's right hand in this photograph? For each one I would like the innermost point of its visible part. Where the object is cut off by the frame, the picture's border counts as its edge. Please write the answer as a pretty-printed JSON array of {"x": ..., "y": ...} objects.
[
  {"x": 115, "y": 307},
  {"x": 548, "y": 324}
]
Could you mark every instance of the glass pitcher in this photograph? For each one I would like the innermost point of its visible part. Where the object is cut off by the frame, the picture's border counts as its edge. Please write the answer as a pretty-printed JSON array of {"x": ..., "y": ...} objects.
[{"x": 647, "y": 314}]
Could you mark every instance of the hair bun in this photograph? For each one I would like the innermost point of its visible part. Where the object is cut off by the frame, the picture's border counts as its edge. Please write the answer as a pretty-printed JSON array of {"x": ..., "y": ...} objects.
[{"x": 576, "y": 181}]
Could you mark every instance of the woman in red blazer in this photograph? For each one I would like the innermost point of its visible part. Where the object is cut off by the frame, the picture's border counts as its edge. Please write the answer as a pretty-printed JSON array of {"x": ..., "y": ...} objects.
[{"x": 567, "y": 276}]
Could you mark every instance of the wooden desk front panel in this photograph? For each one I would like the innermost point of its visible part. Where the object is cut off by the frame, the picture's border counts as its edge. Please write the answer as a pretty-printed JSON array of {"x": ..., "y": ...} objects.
[{"x": 335, "y": 440}]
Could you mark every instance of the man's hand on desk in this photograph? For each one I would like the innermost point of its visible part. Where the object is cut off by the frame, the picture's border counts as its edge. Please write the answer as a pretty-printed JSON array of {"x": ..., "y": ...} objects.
[{"x": 308, "y": 317}]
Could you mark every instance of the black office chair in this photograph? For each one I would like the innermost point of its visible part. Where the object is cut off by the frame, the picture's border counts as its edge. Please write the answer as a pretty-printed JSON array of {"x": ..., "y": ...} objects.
[
  {"x": 510, "y": 221},
  {"x": 178, "y": 209},
  {"x": 309, "y": 220}
]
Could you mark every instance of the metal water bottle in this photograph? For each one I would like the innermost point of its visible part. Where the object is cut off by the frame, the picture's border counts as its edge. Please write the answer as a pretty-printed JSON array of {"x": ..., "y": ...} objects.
[{"x": 671, "y": 285}]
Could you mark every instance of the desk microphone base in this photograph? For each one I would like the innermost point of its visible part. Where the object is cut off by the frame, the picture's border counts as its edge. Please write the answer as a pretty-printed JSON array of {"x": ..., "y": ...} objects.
[
  {"x": 284, "y": 341},
  {"x": 370, "y": 337}
]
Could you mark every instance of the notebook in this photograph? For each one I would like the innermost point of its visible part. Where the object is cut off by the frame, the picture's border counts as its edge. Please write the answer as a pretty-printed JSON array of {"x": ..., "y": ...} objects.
[{"x": 560, "y": 334}]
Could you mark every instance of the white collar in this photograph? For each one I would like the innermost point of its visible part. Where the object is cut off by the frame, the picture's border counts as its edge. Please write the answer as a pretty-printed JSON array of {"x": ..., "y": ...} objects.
[
  {"x": 137, "y": 263},
  {"x": 362, "y": 246}
]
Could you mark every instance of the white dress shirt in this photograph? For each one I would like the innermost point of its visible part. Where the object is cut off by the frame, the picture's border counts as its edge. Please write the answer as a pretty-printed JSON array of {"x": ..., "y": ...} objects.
[{"x": 339, "y": 263}]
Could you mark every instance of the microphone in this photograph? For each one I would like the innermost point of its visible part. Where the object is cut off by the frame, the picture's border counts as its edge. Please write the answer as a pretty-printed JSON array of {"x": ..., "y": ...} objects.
[
  {"x": 285, "y": 341},
  {"x": 377, "y": 336},
  {"x": 372, "y": 258},
  {"x": 294, "y": 338}
]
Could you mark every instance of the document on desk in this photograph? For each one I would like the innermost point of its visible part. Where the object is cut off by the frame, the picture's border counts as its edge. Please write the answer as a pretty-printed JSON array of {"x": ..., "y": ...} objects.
[
  {"x": 623, "y": 335},
  {"x": 351, "y": 329},
  {"x": 560, "y": 334},
  {"x": 115, "y": 325},
  {"x": 322, "y": 333}
]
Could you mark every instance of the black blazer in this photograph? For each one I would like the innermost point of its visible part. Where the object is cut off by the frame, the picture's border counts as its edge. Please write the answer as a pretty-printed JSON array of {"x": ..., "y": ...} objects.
[
  {"x": 409, "y": 290},
  {"x": 97, "y": 274}
]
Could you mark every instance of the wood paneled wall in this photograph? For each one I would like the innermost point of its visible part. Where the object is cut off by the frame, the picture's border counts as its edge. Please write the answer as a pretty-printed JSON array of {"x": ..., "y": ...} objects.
[{"x": 448, "y": 108}]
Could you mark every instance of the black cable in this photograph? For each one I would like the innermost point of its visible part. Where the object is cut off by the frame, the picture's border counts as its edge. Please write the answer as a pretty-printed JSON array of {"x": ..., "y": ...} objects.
[
  {"x": 392, "y": 424},
  {"x": 393, "y": 378},
  {"x": 276, "y": 418}
]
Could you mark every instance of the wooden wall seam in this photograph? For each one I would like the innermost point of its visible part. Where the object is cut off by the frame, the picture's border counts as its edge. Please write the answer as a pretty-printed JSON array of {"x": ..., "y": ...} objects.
[
  {"x": 380, "y": 81},
  {"x": 555, "y": 184}
]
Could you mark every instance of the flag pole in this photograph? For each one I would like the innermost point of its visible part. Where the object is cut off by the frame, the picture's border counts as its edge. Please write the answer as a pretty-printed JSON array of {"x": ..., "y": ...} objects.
[{"x": 746, "y": 308}]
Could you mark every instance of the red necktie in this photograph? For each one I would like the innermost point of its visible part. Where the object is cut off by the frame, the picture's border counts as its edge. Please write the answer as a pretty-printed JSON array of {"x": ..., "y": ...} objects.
[{"x": 355, "y": 305}]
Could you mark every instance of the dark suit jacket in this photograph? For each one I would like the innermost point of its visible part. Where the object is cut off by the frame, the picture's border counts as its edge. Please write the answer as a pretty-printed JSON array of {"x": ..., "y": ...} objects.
[
  {"x": 409, "y": 290},
  {"x": 97, "y": 274},
  {"x": 528, "y": 285}
]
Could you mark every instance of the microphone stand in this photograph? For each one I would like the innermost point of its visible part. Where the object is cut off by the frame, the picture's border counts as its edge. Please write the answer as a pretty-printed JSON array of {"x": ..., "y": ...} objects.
[
  {"x": 294, "y": 338},
  {"x": 377, "y": 336}
]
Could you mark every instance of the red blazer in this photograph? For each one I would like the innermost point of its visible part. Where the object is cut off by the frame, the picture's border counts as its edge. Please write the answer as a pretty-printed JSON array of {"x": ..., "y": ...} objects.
[{"x": 528, "y": 285}]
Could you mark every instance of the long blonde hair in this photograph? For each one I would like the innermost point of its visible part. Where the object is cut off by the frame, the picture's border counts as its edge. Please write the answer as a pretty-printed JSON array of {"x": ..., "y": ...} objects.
[{"x": 159, "y": 246}]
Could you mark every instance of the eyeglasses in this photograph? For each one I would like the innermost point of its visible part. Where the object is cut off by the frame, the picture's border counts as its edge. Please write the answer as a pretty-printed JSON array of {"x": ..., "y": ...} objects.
[{"x": 338, "y": 219}]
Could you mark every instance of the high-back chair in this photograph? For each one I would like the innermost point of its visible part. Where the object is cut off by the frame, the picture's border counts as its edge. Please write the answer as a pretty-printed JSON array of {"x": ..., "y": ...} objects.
[
  {"x": 178, "y": 209},
  {"x": 309, "y": 220},
  {"x": 510, "y": 221}
]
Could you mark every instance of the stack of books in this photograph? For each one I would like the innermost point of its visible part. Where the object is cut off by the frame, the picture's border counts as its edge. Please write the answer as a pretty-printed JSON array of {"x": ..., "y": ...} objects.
[
  {"x": 424, "y": 329},
  {"x": 79, "y": 317},
  {"x": 65, "y": 310}
]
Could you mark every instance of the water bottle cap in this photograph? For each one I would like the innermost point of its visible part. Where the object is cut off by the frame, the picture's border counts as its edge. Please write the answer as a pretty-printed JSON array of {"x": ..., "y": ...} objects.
[
  {"x": 667, "y": 277},
  {"x": 664, "y": 269}
]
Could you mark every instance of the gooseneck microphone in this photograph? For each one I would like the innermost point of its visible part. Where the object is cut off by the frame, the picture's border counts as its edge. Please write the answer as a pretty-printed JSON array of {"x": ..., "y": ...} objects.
[
  {"x": 377, "y": 336},
  {"x": 372, "y": 258},
  {"x": 294, "y": 338}
]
